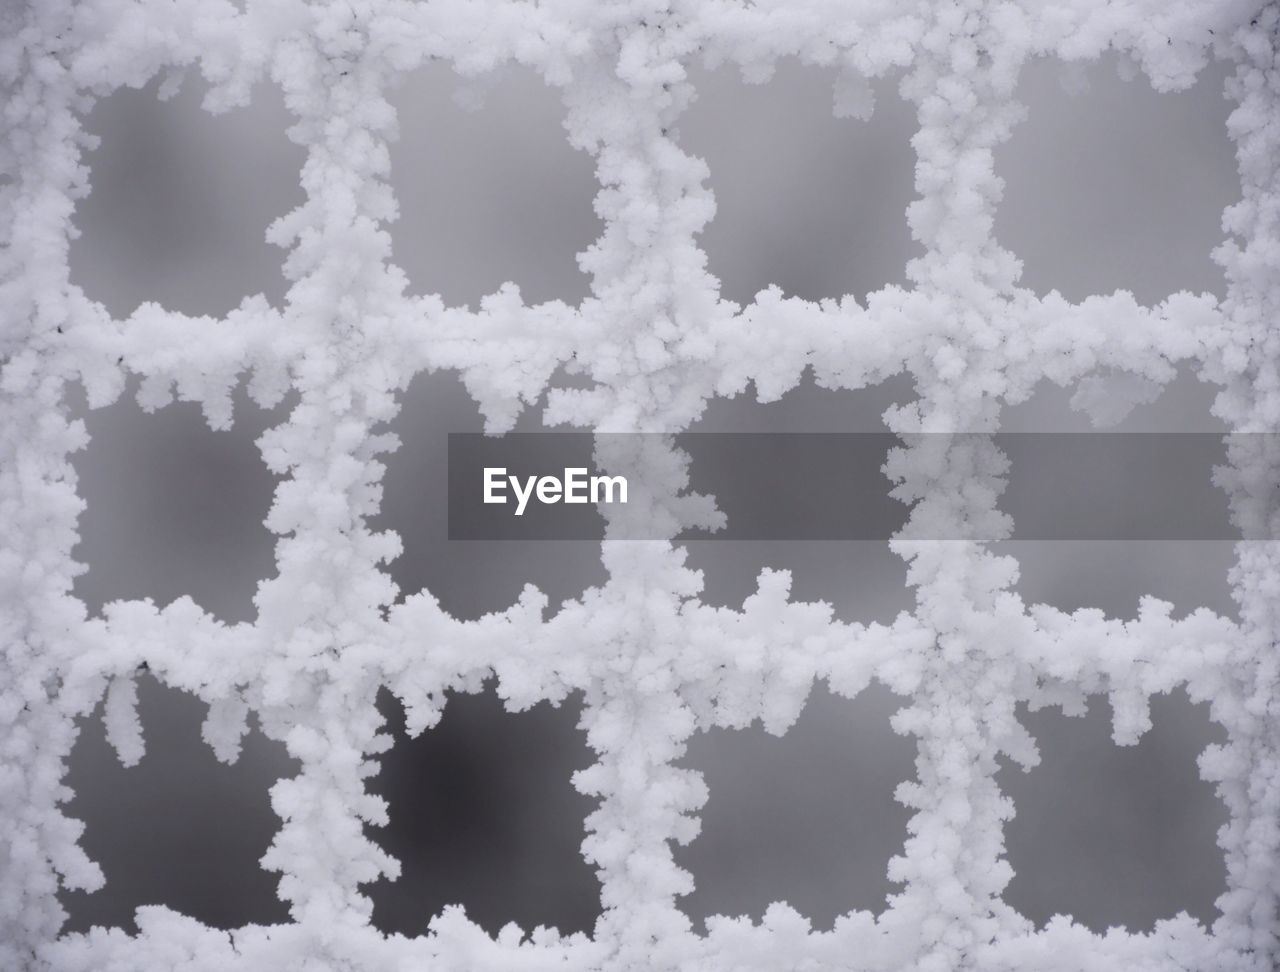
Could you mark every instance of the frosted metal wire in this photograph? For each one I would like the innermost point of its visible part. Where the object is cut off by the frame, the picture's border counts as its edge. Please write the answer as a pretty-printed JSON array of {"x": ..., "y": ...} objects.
[{"x": 655, "y": 339}]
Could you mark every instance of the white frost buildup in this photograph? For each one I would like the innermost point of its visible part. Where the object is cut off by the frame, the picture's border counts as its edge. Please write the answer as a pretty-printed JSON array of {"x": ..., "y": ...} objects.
[{"x": 656, "y": 665}]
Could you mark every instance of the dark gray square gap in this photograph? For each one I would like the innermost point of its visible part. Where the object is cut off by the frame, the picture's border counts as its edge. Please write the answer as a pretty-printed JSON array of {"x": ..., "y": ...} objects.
[
  {"x": 179, "y": 828},
  {"x": 469, "y": 577},
  {"x": 810, "y": 202},
  {"x": 1117, "y": 187},
  {"x": 1113, "y": 575},
  {"x": 861, "y": 580},
  {"x": 483, "y": 814},
  {"x": 492, "y": 194},
  {"x": 173, "y": 507},
  {"x": 808, "y": 818},
  {"x": 1116, "y": 835},
  {"x": 181, "y": 200}
]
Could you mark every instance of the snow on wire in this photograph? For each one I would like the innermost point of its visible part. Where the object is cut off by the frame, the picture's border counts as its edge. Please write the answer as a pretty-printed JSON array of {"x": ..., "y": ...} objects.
[{"x": 654, "y": 663}]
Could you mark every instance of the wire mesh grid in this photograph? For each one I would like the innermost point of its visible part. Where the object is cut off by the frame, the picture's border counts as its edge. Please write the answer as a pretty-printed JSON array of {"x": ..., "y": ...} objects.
[{"x": 656, "y": 342}]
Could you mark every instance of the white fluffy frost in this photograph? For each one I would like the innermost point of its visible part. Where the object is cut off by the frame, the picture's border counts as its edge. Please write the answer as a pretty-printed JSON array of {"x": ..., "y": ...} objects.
[{"x": 655, "y": 664}]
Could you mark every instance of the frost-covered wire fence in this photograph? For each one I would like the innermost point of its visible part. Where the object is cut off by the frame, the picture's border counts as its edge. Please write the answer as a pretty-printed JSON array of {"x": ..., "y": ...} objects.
[{"x": 654, "y": 663}]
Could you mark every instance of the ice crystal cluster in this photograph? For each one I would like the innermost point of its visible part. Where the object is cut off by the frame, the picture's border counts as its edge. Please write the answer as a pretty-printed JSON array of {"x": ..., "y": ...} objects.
[{"x": 653, "y": 343}]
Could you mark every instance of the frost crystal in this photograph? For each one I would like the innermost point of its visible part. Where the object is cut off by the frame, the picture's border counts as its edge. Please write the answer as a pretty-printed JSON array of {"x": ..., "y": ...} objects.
[{"x": 655, "y": 664}]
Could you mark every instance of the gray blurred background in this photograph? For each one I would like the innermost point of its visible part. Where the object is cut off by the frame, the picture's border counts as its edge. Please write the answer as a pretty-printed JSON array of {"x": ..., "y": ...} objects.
[{"x": 1115, "y": 187}]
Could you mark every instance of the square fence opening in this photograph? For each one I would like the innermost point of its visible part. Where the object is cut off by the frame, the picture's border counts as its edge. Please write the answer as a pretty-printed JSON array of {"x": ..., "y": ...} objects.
[
  {"x": 175, "y": 508},
  {"x": 1116, "y": 835},
  {"x": 808, "y": 818},
  {"x": 469, "y": 578},
  {"x": 180, "y": 200},
  {"x": 490, "y": 191},
  {"x": 1112, "y": 185},
  {"x": 177, "y": 812},
  {"x": 805, "y": 200},
  {"x": 484, "y": 814}
]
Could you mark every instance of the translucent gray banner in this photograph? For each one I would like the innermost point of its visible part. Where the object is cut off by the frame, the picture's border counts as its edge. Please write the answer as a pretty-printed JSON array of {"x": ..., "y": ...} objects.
[{"x": 838, "y": 486}]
